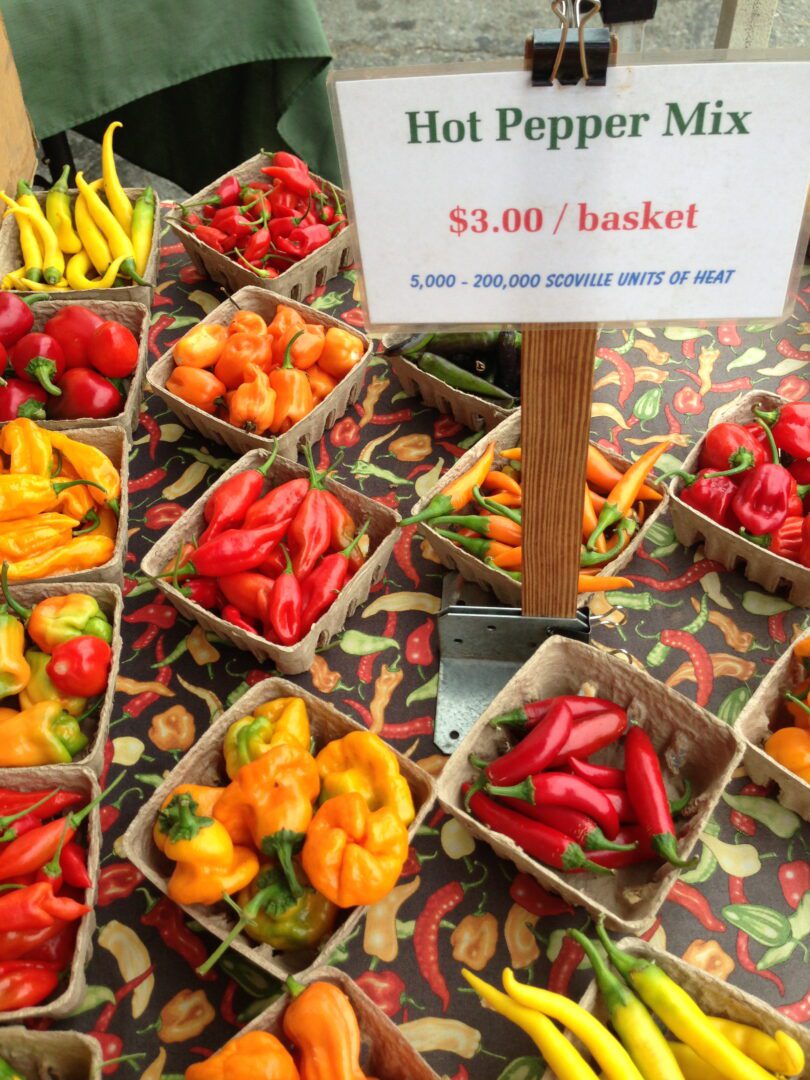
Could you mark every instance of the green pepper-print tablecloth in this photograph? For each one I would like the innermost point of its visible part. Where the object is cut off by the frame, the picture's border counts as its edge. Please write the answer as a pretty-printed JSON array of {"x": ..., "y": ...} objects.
[{"x": 454, "y": 897}]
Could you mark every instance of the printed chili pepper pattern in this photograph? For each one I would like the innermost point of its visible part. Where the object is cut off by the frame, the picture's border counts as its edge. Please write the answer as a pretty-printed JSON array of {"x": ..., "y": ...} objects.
[{"x": 760, "y": 857}]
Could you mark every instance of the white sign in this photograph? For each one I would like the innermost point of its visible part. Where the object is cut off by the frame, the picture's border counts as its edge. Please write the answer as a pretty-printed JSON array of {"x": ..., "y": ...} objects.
[{"x": 673, "y": 192}]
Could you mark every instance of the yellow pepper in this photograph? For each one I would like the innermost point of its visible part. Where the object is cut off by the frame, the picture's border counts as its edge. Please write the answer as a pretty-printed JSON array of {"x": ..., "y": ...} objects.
[
  {"x": 143, "y": 226},
  {"x": 90, "y": 464},
  {"x": 362, "y": 762},
  {"x": 82, "y": 553},
  {"x": 42, "y": 735},
  {"x": 778, "y": 1052},
  {"x": 14, "y": 669},
  {"x": 31, "y": 536},
  {"x": 92, "y": 237},
  {"x": 31, "y": 251},
  {"x": 560, "y": 1056},
  {"x": 120, "y": 243},
  {"x": 40, "y": 688},
  {"x": 57, "y": 211},
  {"x": 78, "y": 266},
  {"x": 25, "y": 494},
  {"x": 283, "y": 720},
  {"x": 116, "y": 196},
  {"x": 106, "y": 525},
  {"x": 341, "y": 351},
  {"x": 16, "y": 279},
  {"x": 53, "y": 260},
  {"x": 76, "y": 502},
  {"x": 252, "y": 405},
  {"x": 28, "y": 446},
  {"x": 192, "y": 884}
]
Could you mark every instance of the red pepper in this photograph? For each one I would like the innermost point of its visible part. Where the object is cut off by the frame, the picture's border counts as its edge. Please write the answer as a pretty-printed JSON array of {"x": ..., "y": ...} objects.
[
  {"x": 15, "y": 944},
  {"x": 530, "y": 714},
  {"x": 403, "y": 555},
  {"x": 601, "y": 776},
  {"x": 249, "y": 592},
  {"x": 731, "y": 446},
  {"x": 544, "y": 792},
  {"x": 418, "y": 649},
  {"x": 49, "y": 803},
  {"x": 232, "y": 222},
  {"x": 203, "y": 591},
  {"x": 16, "y": 319},
  {"x": 86, "y": 393},
  {"x": 293, "y": 173},
  {"x": 695, "y": 573},
  {"x": 158, "y": 613},
  {"x": 693, "y": 901},
  {"x": 785, "y": 541},
  {"x": 214, "y": 238},
  {"x": 616, "y": 860},
  {"x": 537, "y": 750},
  {"x": 113, "y": 350},
  {"x": 234, "y": 550},
  {"x": 24, "y": 984},
  {"x": 258, "y": 245},
  {"x": 547, "y": 845},
  {"x": 73, "y": 327},
  {"x": 228, "y": 192},
  {"x": 386, "y": 989},
  {"x": 311, "y": 529},
  {"x": 728, "y": 334},
  {"x": 230, "y": 613},
  {"x": 35, "y": 906},
  {"x": 592, "y": 732},
  {"x": 426, "y": 935},
  {"x": 803, "y": 556},
  {"x": 74, "y": 866},
  {"x": 19, "y": 398},
  {"x": 531, "y": 895},
  {"x": 342, "y": 523},
  {"x": 282, "y": 502},
  {"x": 762, "y": 499},
  {"x": 60, "y": 947},
  {"x": 38, "y": 358},
  {"x": 169, "y": 921},
  {"x": 645, "y": 786},
  {"x": 346, "y": 432},
  {"x": 116, "y": 881},
  {"x": 790, "y": 426},
  {"x": 80, "y": 667},
  {"x": 228, "y": 506},
  {"x": 564, "y": 967},
  {"x": 320, "y": 590},
  {"x": 285, "y": 614}
]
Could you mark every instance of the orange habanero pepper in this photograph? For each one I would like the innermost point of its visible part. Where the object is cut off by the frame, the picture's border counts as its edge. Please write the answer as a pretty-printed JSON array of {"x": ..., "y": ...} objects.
[
  {"x": 284, "y": 318},
  {"x": 790, "y": 746},
  {"x": 252, "y": 405},
  {"x": 196, "y": 386},
  {"x": 307, "y": 348},
  {"x": 258, "y": 1054},
  {"x": 294, "y": 398},
  {"x": 321, "y": 1023},
  {"x": 247, "y": 322},
  {"x": 321, "y": 383},
  {"x": 240, "y": 350},
  {"x": 341, "y": 351},
  {"x": 201, "y": 346}
]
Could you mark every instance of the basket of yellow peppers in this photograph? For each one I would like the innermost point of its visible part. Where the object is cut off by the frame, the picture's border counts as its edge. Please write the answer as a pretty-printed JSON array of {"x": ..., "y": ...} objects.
[
  {"x": 97, "y": 239},
  {"x": 59, "y": 653},
  {"x": 63, "y": 503},
  {"x": 281, "y": 824}
]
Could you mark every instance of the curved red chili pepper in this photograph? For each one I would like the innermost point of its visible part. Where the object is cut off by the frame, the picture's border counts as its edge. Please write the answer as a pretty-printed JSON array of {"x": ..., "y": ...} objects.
[
  {"x": 645, "y": 786},
  {"x": 536, "y": 751},
  {"x": 540, "y": 796},
  {"x": 228, "y": 505},
  {"x": 701, "y": 662},
  {"x": 601, "y": 776},
  {"x": 693, "y": 901}
]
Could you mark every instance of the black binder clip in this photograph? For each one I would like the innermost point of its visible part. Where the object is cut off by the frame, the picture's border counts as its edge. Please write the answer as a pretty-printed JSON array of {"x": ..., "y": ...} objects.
[
  {"x": 555, "y": 56},
  {"x": 616, "y": 12}
]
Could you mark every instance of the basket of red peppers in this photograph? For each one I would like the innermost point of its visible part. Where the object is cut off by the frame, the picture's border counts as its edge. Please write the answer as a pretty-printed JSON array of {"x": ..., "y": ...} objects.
[
  {"x": 744, "y": 490},
  {"x": 274, "y": 558},
  {"x": 49, "y": 854},
  {"x": 66, "y": 364},
  {"x": 577, "y": 771},
  {"x": 259, "y": 368},
  {"x": 271, "y": 221}
]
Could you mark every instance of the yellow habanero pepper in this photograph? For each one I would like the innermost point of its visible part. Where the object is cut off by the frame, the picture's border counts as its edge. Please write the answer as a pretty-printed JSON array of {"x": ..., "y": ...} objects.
[
  {"x": 103, "y": 523},
  {"x": 362, "y": 762},
  {"x": 283, "y": 720},
  {"x": 341, "y": 351},
  {"x": 57, "y": 211},
  {"x": 24, "y": 494},
  {"x": 90, "y": 464},
  {"x": 252, "y": 405},
  {"x": 116, "y": 196},
  {"x": 120, "y": 243},
  {"x": 43, "y": 735},
  {"x": 78, "y": 266},
  {"x": 28, "y": 446},
  {"x": 81, "y": 553},
  {"x": 40, "y": 688},
  {"x": 24, "y": 537},
  {"x": 92, "y": 237},
  {"x": 14, "y": 669}
]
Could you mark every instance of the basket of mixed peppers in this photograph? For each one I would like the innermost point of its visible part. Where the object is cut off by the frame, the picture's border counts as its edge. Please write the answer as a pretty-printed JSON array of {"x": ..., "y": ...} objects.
[
  {"x": 745, "y": 492},
  {"x": 270, "y": 220},
  {"x": 274, "y": 558},
  {"x": 325, "y": 1028},
  {"x": 281, "y": 824},
  {"x": 63, "y": 502},
  {"x": 473, "y": 519},
  {"x": 711, "y": 1031},
  {"x": 98, "y": 239},
  {"x": 577, "y": 771},
  {"x": 63, "y": 362},
  {"x": 49, "y": 853},
  {"x": 260, "y": 368},
  {"x": 59, "y": 652}
]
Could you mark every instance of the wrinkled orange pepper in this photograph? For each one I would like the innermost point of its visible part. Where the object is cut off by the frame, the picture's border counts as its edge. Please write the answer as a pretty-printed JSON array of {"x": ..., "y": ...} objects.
[
  {"x": 258, "y": 1054},
  {"x": 284, "y": 318},
  {"x": 252, "y": 405},
  {"x": 201, "y": 346},
  {"x": 294, "y": 398},
  {"x": 306, "y": 349},
  {"x": 341, "y": 351},
  {"x": 197, "y": 387},
  {"x": 240, "y": 350},
  {"x": 247, "y": 322}
]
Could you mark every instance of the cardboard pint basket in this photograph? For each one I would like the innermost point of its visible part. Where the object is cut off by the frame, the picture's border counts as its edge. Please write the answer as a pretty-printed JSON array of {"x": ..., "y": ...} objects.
[
  {"x": 689, "y": 742},
  {"x": 311, "y": 428},
  {"x": 289, "y": 659},
  {"x": 205, "y": 764},
  {"x": 112, "y": 441},
  {"x": 754, "y": 724},
  {"x": 386, "y": 1053},
  {"x": 111, "y": 603},
  {"x": 69, "y": 778},
  {"x": 506, "y": 436},
  {"x": 134, "y": 317},
  {"x": 474, "y": 412},
  {"x": 50, "y": 1055},
  {"x": 714, "y": 996},
  {"x": 300, "y": 280},
  {"x": 11, "y": 259},
  {"x": 773, "y": 572}
]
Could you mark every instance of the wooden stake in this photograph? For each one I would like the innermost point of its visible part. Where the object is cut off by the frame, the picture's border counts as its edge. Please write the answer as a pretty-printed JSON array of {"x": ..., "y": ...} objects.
[{"x": 556, "y": 390}]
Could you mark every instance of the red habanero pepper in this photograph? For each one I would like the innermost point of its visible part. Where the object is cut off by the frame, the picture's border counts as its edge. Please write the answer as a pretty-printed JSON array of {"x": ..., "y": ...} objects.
[
  {"x": 293, "y": 173},
  {"x": 228, "y": 192},
  {"x": 762, "y": 499},
  {"x": 117, "y": 881},
  {"x": 529, "y": 715},
  {"x": 214, "y": 238},
  {"x": 232, "y": 221},
  {"x": 24, "y": 984},
  {"x": 731, "y": 446},
  {"x": 168, "y": 920},
  {"x": 386, "y": 989},
  {"x": 257, "y": 246},
  {"x": 311, "y": 528},
  {"x": 233, "y": 551},
  {"x": 601, "y": 776},
  {"x": 790, "y": 426},
  {"x": 534, "y": 795},
  {"x": 228, "y": 505},
  {"x": 285, "y": 615},
  {"x": 249, "y": 592},
  {"x": 321, "y": 588},
  {"x": 80, "y": 667},
  {"x": 785, "y": 541},
  {"x": 547, "y": 845},
  {"x": 15, "y": 944},
  {"x": 418, "y": 649},
  {"x": 536, "y": 751},
  {"x": 645, "y": 786},
  {"x": 713, "y": 496},
  {"x": 531, "y": 895},
  {"x": 230, "y": 613}
]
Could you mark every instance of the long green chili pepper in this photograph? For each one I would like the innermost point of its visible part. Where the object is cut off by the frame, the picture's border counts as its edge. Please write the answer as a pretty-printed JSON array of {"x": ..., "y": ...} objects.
[
  {"x": 458, "y": 378},
  {"x": 636, "y": 601},
  {"x": 475, "y": 545}
]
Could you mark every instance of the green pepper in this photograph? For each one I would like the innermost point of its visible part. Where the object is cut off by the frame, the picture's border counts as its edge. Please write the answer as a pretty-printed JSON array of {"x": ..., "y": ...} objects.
[
  {"x": 645, "y": 601},
  {"x": 251, "y": 979},
  {"x": 779, "y": 954},
  {"x": 367, "y": 468},
  {"x": 764, "y": 925},
  {"x": 800, "y": 919},
  {"x": 733, "y": 704},
  {"x": 781, "y": 821},
  {"x": 648, "y": 406},
  {"x": 7, "y": 1072},
  {"x": 707, "y": 863},
  {"x": 463, "y": 341},
  {"x": 459, "y": 379},
  {"x": 424, "y": 692},
  {"x": 523, "y": 1068},
  {"x": 280, "y": 920},
  {"x": 356, "y": 643}
]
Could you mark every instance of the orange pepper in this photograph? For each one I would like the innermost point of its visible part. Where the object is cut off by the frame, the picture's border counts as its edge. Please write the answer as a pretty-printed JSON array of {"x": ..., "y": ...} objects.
[
  {"x": 201, "y": 346},
  {"x": 307, "y": 348},
  {"x": 284, "y": 318},
  {"x": 507, "y": 498},
  {"x": 515, "y": 454},
  {"x": 798, "y": 704},
  {"x": 604, "y": 476},
  {"x": 341, "y": 351},
  {"x": 500, "y": 481},
  {"x": 294, "y": 398},
  {"x": 505, "y": 556},
  {"x": 790, "y": 746},
  {"x": 197, "y": 387},
  {"x": 247, "y": 322},
  {"x": 321, "y": 383},
  {"x": 594, "y": 583},
  {"x": 253, "y": 404},
  {"x": 240, "y": 350}
]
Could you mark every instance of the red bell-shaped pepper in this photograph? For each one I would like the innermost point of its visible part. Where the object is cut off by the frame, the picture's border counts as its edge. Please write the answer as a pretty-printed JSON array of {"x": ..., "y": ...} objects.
[
  {"x": 16, "y": 318},
  {"x": 73, "y": 327},
  {"x": 762, "y": 499},
  {"x": 38, "y": 358},
  {"x": 731, "y": 446},
  {"x": 790, "y": 427},
  {"x": 80, "y": 667},
  {"x": 713, "y": 496},
  {"x": 18, "y": 398}
]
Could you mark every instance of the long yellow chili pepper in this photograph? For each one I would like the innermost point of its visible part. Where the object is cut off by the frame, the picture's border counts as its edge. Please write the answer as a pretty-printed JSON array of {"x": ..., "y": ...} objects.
[
  {"x": 116, "y": 196},
  {"x": 91, "y": 236},
  {"x": 605, "y": 1049},
  {"x": 684, "y": 1017},
  {"x": 27, "y": 199},
  {"x": 692, "y": 1066},
  {"x": 457, "y": 494},
  {"x": 53, "y": 260},
  {"x": 143, "y": 226},
  {"x": 778, "y": 1052},
  {"x": 120, "y": 243},
  {"x": 57, "y": 211},
  {"x": 77, "y": 268},
  {"x": 31, "y": 251},
  {"x": 16, "y": 279},
  {"x": 560, "y": 1056},
  {"x": 625, "y": 492}
]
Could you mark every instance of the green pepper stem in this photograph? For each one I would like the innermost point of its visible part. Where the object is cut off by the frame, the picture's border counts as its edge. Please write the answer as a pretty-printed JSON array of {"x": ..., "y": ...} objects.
[
  {"x": 53, "y": 868},
  {"x": 666, "y": 845},
  {"x": 294, "y": 987},
  {"x": 246, "y": 915},
  {"x": 347, "y": 551},
  {"x": 609, "y": 515},
  {"x": 523, "y": 791},
  {"x": 9, "y": 819},
  {"x": 77, "y": 818},
  {"x": 288, "y": 351},
  {"x": 18, "y": 609},
  {"x": 59, "y": 488},
  {"x": 769, "y": 434},
  {"x": 680, "y": 804},
  {"x": 265, "y": 467},
  {"x": 316, "y": 479},
  {"x": 797, "y": 701},
  {"x": 497, "y": 508}
]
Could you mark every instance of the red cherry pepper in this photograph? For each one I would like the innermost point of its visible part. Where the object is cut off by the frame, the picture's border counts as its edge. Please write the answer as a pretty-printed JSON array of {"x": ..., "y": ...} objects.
[
  {"x": 537, "y": 750},
  {"x": 86, "y": 393},
  {"x": 645, "y": 786},
  {"x": 531, "y": 895},
  {"x": 228, "y": 506},
  {"x": 80, "y": 667},
  {"x": 249, "y": 592},
  {"x": 232, "y": 551},
  {"x": 24, "y": 984},
  {"x": 18, "y": 398},
  {"x": 790, "y": 427},
  {"x": 601, "y": 776},
  {"x": 285, "y": 615},
  {"x": 713, "y": 496},
  {"x": 282, "y": 502},
  {"x": 73, "y": 327},
  {"x": 113, "y": 350},
  {"x": 38, "y": 358},
  {"x": 762, "y": 499},
  {"x": 311, "y": 529},
  {"x": 731, "y": 446},
  {"x": 16, "y": 318},
  {"x": 529, "y": 715},
  {"x": 320, "y": 590},
  {"x": 543, "y": 791}
]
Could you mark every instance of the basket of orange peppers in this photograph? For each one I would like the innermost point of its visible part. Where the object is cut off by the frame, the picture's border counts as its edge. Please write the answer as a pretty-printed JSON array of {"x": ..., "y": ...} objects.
[{"x": 260, "y": 368}]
